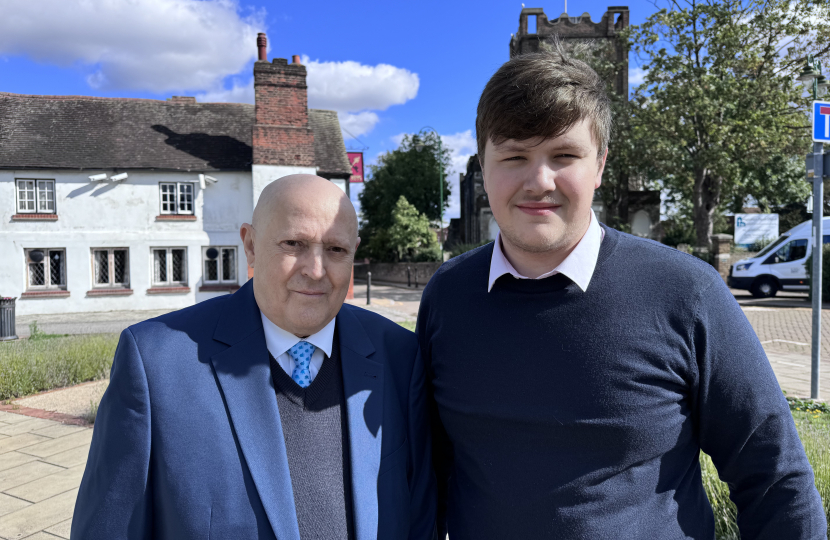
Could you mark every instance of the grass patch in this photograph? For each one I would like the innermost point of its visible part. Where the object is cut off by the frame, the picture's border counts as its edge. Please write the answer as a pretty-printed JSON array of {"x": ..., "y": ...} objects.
[
  {"x": 41, "y": 363},
  {"x": 813, "y": 424}
]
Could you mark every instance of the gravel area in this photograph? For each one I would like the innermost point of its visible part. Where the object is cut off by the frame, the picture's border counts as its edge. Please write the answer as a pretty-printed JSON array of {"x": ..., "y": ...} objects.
[{"x": 74, "y": 401}]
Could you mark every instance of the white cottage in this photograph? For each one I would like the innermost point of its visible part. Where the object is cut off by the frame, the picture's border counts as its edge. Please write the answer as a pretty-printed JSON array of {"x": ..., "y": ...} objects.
[{"x": 132, "y": 204}]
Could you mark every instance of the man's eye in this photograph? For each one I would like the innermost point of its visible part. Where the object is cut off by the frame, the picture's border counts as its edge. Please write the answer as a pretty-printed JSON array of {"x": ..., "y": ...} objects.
[
  {"x": 514, "y": 158},
  {"x": 291, "y": 243},
  {"x": 337, "y": 249}
]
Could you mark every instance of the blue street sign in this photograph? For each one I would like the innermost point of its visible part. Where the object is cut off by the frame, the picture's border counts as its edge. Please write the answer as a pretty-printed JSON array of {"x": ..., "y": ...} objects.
[{"x": 821, "y": 121}]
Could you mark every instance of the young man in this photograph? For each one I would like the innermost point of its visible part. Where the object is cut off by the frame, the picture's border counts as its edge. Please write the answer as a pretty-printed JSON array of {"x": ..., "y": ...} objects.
[{"x": 576, "y": 371}]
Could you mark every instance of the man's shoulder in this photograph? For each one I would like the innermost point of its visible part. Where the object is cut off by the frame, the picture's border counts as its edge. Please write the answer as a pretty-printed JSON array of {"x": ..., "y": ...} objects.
[
  {"x": 465, "y": 267},
  {"x": 195, "y": 319},
  {"x": 647, "y": 259}
]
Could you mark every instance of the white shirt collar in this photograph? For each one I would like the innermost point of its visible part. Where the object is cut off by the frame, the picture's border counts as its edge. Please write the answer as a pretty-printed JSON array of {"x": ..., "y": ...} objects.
[
  {"x": 279, "y": 340},
  {"x": 578, "y": 266}
]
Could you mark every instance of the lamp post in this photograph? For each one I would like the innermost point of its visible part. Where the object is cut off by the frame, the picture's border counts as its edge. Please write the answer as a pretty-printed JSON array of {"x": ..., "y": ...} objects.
[
  {"x": 811, "y": 73},
  {"x": 420, "y": 146}
]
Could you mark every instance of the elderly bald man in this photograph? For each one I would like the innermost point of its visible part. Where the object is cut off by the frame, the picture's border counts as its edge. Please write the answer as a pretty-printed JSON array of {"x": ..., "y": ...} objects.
[{"x": 275, "y": 412}]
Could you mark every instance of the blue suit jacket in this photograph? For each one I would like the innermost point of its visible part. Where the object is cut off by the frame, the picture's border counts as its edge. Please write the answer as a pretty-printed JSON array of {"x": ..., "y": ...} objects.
[{"x": 188, "y": 441}]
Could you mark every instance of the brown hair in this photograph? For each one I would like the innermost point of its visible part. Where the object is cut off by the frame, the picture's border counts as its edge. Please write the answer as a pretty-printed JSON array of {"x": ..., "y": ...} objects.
[{"x": 542, "y": 94}]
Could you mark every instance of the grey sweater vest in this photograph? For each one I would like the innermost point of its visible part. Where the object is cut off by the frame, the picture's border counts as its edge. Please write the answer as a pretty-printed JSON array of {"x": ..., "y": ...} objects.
[{"x": 315, "y": 427}]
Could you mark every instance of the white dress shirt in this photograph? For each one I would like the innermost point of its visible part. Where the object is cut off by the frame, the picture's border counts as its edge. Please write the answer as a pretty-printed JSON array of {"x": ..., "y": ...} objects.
[
  {"x": 578, "y": 266},
  {"x": 280, "y": 341}
]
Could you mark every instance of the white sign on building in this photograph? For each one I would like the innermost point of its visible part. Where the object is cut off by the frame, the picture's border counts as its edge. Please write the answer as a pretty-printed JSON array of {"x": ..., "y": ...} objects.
[{"x": 753, "y": 228}]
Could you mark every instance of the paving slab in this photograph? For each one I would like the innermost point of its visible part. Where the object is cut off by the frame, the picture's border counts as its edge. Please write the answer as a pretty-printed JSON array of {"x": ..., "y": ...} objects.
[
  {"x": 38, "y": 517},
  {"x": 43, "y": 536},
  {"x": 24, "y": 427},
  {"x": 61, "y": 530},
  {"x": 11, "y": 418},
  {"x": 49, "y": 486},
  {"x": 58, "y": 430},
  {"x": 9, "y": 504},
  {"x": 70, "y": 458},
  {"x": 26, "y": 473},
  {"x": 10, "y": 460},
  {"x": 18, "y": 442},
  {"x": 51, "y": 447}
]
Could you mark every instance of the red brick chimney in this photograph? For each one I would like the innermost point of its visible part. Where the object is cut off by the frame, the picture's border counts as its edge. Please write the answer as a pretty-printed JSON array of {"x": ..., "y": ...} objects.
[{"x": 281, "y": 135}]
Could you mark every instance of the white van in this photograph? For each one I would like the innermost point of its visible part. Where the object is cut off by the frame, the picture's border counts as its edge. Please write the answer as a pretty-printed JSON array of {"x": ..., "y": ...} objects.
[{"x": 780, "y": 265}]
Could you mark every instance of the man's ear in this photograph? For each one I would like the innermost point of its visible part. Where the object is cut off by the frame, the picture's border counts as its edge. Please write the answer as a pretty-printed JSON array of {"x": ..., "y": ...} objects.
[
  {"x": 246, "y": 232},
  {"x": 598, "y": 180}
]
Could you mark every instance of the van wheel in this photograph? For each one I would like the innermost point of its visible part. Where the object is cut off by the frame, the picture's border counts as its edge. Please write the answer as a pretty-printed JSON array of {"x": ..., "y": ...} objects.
[{"x": 764, "y": 288}]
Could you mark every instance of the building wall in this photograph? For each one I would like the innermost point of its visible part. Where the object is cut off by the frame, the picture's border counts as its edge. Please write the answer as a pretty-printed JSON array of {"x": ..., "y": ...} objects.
[
  {"x": 265, "y": 174},
  {"x": 123, "y": 214}
]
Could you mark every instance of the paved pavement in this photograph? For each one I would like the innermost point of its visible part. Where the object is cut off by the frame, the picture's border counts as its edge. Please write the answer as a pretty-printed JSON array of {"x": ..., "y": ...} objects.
[
  {"x": 98, "y": 322},
  {"x": 41, "y": 464},
  {"x": 42, "y": 461}
]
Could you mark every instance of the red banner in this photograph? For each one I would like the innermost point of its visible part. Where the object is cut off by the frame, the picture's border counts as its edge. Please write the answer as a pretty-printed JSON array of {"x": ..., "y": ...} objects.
[{"x": 356, "y": 161}]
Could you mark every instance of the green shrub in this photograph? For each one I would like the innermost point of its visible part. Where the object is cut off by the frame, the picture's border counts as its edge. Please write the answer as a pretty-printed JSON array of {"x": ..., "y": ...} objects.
[{"x": 28, "y": 366}]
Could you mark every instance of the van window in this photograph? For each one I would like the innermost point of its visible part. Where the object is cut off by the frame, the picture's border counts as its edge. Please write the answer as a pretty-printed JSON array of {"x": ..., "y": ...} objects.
[
  {"x": 781, "y": 239},
  {"x": 792, "y": 251}
]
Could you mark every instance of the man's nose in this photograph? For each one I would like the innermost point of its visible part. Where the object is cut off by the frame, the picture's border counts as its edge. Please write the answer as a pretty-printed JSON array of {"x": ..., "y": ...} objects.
[
  {"x": 314, "y": 264},
  {"x": 541, "y": 178}
]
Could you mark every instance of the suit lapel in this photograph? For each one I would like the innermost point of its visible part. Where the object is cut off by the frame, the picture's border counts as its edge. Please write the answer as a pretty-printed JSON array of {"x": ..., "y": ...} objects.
[
  {"x": 244, "y": 374},
  {"x": 363, "y": 386}
]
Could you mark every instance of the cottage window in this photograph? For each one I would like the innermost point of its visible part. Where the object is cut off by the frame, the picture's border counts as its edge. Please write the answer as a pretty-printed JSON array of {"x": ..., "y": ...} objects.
[
  {"x": 219, "y": 264},
  {"x": 176, "y": 197},
  {"x": 110, "y": 268},
  {"x": 45, "y": 268},
  {"x": 36, "y": 196},
  {"x": 169, "y": 267}
]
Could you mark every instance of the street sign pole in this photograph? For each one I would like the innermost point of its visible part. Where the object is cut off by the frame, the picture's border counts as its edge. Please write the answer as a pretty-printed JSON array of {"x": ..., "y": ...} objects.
[
  {"x": 818, "y": 244},
  {"x": 821, "y": 135}
]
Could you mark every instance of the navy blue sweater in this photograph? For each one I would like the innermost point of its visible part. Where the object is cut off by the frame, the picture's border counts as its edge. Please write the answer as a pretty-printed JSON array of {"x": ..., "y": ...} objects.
[{"x": 567, "y": 414}]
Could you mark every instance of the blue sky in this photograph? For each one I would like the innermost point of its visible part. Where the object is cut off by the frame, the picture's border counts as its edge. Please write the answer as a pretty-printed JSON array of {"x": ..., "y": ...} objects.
[{"x": 388, "y": 68}]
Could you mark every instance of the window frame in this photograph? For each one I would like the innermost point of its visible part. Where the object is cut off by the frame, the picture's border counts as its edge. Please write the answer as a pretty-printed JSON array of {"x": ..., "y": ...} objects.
[
  {"x": 36, "y": 194},
  {"x": 234, "y": 268},
  {"x": 111, "y": 268},
  {"x": 168, "y": 267},
  {"x": 178, "y": 192},
  {"x": 47, "y": 270}
]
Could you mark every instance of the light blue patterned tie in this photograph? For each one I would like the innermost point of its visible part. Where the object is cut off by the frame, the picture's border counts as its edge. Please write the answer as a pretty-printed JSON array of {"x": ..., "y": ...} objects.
[{"x": 301, "y": 353}]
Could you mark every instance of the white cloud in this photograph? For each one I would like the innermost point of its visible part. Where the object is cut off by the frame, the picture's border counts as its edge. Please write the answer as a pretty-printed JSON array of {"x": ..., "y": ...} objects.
[
  {"x": 152, "y": 45},
  {"x": 357, "y": 124},
  {"x": 635, "y": 76},
  {"x": 238, "y": 93},
  {"x": 353, "y": 87}
]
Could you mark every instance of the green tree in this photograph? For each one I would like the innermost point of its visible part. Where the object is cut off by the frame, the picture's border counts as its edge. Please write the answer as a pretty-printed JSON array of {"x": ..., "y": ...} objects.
[
  {"x": 719, "y": 109},
  {"x": 409, "y": 172},
  {"x": 408, "y": 238}
]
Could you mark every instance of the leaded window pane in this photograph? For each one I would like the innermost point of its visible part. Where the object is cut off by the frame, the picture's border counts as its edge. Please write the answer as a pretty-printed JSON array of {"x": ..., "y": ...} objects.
[
  {"x": 229, "y": 264},
  {"x": 119, "y": 266},
  {"x": 178, "y": 262},
  {"x": 37, "y": 275},
  {"x": 102, "y": 267},
  {"x": 211, "y": 270},
  {"x": 56, "y": 267},
  {"x": 160, "y": 266}
]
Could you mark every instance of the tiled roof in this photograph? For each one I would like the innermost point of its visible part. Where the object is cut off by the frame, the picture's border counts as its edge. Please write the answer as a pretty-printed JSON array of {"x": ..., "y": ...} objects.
[
  {"x": 78, "y": 132},
  {"x": 329, "y": 149}
]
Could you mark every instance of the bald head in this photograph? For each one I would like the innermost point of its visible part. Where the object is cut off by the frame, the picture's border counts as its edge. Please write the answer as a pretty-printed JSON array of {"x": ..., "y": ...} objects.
[
  {"x": 301, "y": 246},
  {"x": 297, "y": 193}
]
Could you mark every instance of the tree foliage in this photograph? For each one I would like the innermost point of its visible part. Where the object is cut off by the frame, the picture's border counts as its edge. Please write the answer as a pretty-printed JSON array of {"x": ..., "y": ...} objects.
[
  {"x": 408, "y": 238},
  {"x": 719, "y": 115}
]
